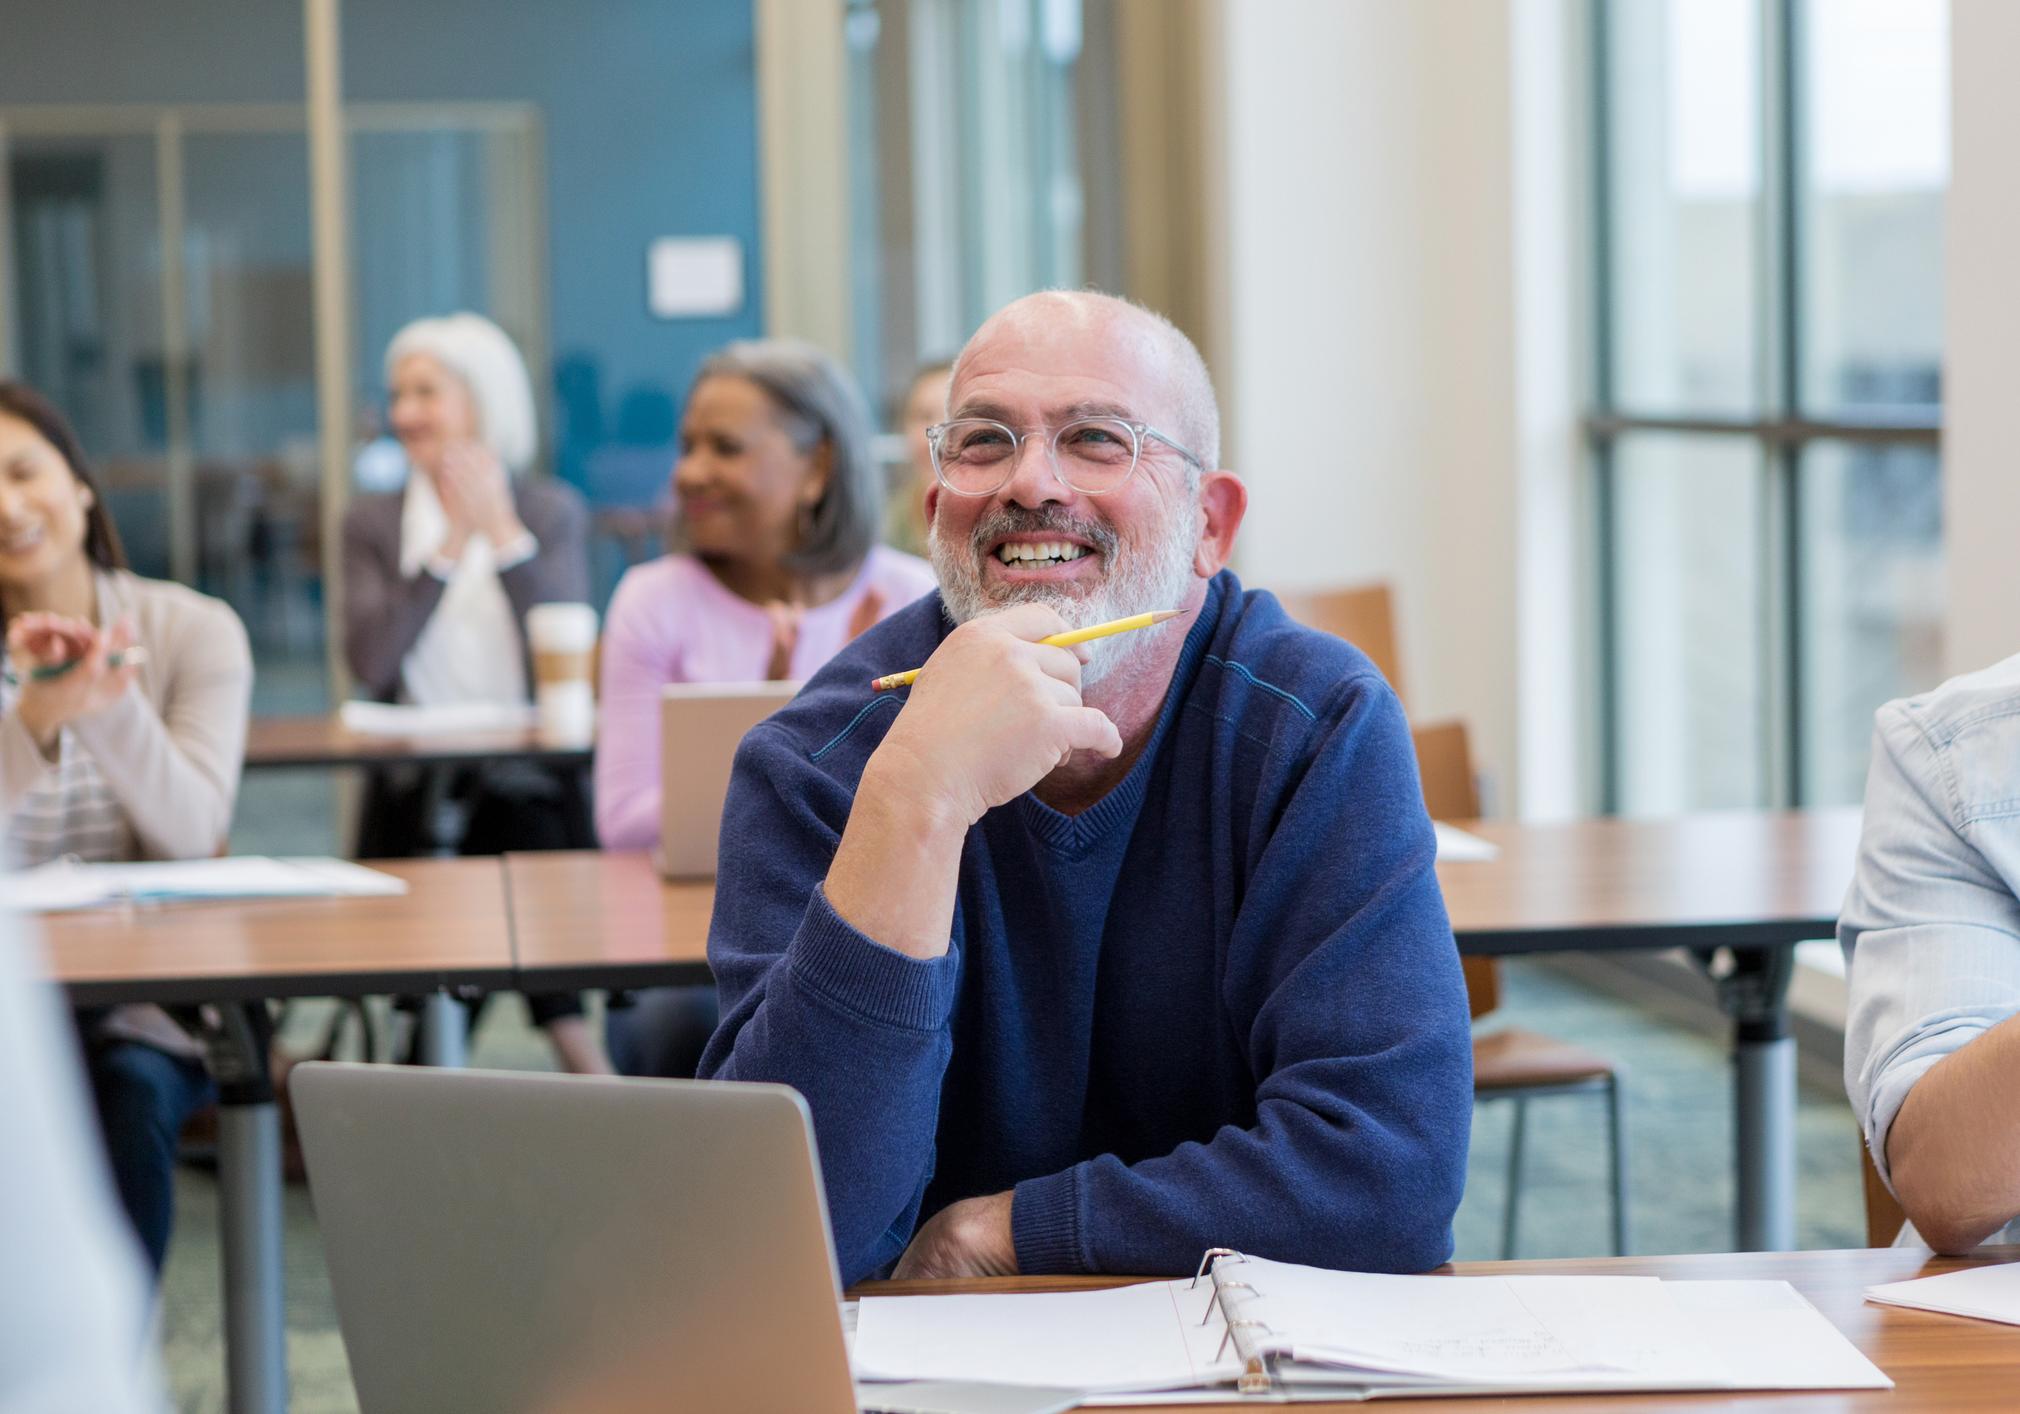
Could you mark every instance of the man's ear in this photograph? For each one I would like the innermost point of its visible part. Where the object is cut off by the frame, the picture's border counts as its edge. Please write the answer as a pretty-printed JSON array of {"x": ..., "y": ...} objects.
[
  {"x": 932, "y": 501},
  {"x": 1223, "y": 501}
]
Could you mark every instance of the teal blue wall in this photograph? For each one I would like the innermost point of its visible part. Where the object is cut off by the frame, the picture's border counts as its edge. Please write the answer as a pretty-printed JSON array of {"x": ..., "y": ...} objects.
[{"x": 649, "y": 110}]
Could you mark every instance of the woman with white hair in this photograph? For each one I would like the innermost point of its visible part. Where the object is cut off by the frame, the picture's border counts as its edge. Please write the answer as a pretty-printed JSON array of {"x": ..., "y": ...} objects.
[
  {"x": 437, "y": 581},
  {"x": 438, "y": 577}
]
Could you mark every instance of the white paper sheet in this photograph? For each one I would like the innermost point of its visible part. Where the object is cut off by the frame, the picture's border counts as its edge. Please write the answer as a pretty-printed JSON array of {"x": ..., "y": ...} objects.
[
  {"x": 1455, "y": 846},
  {"x": 1990, "y": 1293},
  {"x": 66, "y": 885},
  {"x": 1124, "y": 1338},
  {"x": 403, "y": 719},
  {"x": 1770, "y": 1337},
  {"x": 1376, "y": 1334},
  {"x": 963, "y": 1397}
]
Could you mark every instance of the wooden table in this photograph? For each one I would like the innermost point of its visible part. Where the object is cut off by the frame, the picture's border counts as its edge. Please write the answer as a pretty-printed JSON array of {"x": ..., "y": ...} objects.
[
  {"x": 273, "y": 742},
  {"x": 1738, "y": 879},
  {"x": 451, "y": 928},
  {"x": 589, "y": 918},
  {"x": 1936, "y": 1362},
  {"x": 1754, "y": 882},
  {"x": 1743, "y": 880}
]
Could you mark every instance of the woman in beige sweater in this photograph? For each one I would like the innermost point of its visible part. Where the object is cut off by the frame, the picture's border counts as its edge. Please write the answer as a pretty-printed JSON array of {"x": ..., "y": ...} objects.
[{"x": 111, "y": 754}]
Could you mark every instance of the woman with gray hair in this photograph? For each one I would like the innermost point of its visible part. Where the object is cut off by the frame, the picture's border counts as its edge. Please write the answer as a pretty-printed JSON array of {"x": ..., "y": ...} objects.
[
  {"x": 776, "y": 566},
  {"x": 437, "y": 581}
]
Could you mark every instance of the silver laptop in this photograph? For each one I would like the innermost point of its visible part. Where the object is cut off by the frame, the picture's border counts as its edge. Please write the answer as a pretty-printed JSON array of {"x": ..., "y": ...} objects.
[
  {"x": 523, "y": 1242},
  {"x": 700, "y": 725}
]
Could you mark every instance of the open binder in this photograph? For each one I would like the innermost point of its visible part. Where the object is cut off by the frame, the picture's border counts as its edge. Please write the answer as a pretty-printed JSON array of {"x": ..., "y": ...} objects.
[{"x": 1247, "y": 1329}]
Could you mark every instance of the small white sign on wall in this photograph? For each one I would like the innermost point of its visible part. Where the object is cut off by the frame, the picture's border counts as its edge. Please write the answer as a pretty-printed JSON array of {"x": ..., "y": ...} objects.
[{"x": 689, "y": 277}]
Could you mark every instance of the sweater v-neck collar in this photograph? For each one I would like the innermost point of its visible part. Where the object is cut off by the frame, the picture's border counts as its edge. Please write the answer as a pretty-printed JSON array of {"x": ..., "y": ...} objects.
[{"x": 1075, "y": 834}]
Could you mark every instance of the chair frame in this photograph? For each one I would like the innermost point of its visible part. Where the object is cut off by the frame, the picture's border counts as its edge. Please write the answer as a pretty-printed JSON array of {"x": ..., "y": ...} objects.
[{"x": 1616, "y": 1126}]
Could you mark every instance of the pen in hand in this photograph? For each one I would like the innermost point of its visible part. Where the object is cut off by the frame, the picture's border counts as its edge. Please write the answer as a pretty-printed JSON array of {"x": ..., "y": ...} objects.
[
  {"x": 1057, "y": 640},
  {"x": 123, "y": 658}
]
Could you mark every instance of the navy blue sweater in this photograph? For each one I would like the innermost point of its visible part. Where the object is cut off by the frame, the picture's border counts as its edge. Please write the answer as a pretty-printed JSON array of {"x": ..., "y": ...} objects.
[{"x": 1222, "y": 1007}]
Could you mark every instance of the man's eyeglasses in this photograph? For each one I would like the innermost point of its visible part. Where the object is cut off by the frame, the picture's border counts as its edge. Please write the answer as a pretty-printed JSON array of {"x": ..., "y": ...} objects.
[{"x": 974, "y": 456}]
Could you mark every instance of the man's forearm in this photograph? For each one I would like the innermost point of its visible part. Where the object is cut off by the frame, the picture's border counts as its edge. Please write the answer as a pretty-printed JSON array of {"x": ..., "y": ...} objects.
[
  {"x": 896, "y": 870},
  {"x": 1954, "y": 1147}
]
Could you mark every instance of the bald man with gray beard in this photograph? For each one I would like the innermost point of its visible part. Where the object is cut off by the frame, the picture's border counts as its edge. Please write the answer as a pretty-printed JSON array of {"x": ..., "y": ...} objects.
[{"x": 1089, "y": 959}]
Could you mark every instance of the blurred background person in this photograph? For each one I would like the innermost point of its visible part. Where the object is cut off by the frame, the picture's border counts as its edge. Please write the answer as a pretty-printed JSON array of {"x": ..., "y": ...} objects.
[
  {"x": 777, "y": 566},
  {"x": 104, "y": 759},
  {"x": 73, "y": 1300},
  {"x": 925, "y": 404},
  {"x": 437, "y": 580}
]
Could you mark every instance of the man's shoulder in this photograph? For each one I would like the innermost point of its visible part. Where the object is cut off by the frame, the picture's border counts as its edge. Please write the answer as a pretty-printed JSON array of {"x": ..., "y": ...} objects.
[
  {"x": 837, "y": 719},
  {"x": 1971, "y": 700},
  {"x": 1963, "y": 736},
  {"x": 1262, "y": 666}
]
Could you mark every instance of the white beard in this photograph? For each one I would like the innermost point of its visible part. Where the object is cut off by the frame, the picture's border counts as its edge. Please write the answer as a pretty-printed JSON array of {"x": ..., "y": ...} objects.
[{"x": 1134, "y": 582}]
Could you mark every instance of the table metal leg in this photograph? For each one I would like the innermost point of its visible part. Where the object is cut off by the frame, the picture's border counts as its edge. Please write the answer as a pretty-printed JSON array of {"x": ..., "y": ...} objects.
[
  {"x": 1755, "y": 995},
  {"x": 1764, "y": 1101},
  {"x": 249, "y": 1180},
  {"x": 445, "y": 1031},
  {"x": 249, "y": 1172}
]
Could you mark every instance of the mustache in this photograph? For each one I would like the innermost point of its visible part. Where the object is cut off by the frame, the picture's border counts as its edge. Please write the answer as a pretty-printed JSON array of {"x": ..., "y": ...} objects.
[{"x": 1024, "y": 520}]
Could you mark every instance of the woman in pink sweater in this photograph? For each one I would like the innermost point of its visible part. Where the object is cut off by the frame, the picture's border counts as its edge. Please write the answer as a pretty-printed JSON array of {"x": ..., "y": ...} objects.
[
  {"x": 776, "y": 566},
  {"x": 778, "y": 563}
]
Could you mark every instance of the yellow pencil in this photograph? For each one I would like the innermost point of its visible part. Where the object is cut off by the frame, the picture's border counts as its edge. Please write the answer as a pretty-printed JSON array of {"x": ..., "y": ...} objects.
[{"x": 1057, "y": 640}]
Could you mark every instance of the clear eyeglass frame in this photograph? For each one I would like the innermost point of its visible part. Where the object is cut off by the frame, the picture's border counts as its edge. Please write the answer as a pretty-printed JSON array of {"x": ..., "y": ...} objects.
[{"x": 1139, "y": 433}]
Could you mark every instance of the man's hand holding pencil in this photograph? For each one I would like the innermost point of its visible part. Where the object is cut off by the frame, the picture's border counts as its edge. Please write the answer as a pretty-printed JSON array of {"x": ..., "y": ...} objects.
[{"x": 994, "y": 712}]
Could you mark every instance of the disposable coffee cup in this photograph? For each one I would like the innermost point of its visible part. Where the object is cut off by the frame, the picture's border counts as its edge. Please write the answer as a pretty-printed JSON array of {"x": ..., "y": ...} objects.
[{"x": 562, "y": 638}]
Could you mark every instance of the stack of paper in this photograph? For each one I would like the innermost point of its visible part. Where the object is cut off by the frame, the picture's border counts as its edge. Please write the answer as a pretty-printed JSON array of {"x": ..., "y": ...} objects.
[
  {"x": 1354, "y": 1335},
  {"x": 1455, "y": 846},
  {"x": 67, "y": 884},
  {"x": 1991, "y": 1293},
  {"x": 402, "y": 719}
]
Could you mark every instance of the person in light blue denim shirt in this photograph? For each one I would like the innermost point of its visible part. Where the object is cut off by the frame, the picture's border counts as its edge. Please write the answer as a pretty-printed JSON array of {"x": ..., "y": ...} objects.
[{"x": 1931, "y": 933}]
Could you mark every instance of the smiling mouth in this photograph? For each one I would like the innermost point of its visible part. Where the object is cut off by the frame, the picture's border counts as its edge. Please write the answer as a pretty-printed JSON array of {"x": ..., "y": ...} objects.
[
  {"x": 1039, "y": 555},
  {"x": 21, "y": 543}
]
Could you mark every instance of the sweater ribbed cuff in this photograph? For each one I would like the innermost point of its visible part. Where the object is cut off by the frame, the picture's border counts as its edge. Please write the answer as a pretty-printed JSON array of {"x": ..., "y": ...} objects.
[
  {"x": 863, "y": 975},
  {"x": 1045, "y": 1224},
  {"x": 115, "y": 735}
]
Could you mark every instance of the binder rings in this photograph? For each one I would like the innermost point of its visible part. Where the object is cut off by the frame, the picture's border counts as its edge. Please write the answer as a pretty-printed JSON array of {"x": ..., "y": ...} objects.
[{"x": 1249, "y": 1329}]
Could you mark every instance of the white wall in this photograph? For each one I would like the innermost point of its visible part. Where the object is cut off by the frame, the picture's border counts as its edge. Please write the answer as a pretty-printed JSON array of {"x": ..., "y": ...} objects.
[
  {"x": 1981, "y": 363},
  {"x": 1397, "y": 398}
]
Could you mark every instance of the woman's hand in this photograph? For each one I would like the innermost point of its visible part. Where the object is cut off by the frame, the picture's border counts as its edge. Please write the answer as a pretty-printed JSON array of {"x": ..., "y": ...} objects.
[
  {"x": 48, "y": 704},
  {"x": 477, "y": 495},
  {"x": 785, "y": 617},
  {"x": 869, "y": 610}
]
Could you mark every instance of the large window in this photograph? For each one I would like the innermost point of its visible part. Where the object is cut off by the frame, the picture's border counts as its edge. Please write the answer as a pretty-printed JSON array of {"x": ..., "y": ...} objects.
[
  {"x": 982, "y": 167},
  {"x": 1769, "y": 180}
]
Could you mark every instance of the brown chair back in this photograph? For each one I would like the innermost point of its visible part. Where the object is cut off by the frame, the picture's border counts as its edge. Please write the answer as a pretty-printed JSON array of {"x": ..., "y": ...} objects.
[
  {"x": 1452, "y": 792},
  {"x": 1885, "y": 1217},
  {"x": 1365, "y": 616}
]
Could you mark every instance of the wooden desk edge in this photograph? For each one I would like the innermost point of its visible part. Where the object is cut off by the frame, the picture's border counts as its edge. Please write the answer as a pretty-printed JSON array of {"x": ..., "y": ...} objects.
[{"x": 179, "y": 991}]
